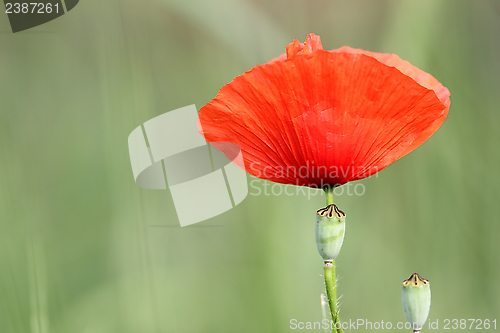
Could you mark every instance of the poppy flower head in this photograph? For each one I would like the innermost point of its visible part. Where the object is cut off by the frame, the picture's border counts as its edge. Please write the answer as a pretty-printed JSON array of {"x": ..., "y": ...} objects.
[{"x": 323, "y": 118}]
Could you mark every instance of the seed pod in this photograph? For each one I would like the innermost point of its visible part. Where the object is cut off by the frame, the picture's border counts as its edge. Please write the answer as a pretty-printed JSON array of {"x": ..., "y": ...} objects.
[
  {"x": 330, "y": 229},
  {"x": 416, "y": 300}
]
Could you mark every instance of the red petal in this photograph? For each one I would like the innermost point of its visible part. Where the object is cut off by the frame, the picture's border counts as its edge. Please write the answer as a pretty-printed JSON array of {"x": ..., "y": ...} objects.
[
  {"x": 423, "y": 78},
  {"x": 312, "y": 43},
  {"x": 325, "y": 117}
]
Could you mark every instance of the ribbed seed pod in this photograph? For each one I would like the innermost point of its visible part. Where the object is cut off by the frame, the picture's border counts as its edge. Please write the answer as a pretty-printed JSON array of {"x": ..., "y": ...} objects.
[
  {"x": 416, "y": 300},
  {"x": 330, "y": 229}
]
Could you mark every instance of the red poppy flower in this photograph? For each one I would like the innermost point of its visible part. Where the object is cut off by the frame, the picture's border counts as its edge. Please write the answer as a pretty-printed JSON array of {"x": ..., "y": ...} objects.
[{"x": 313, "y": 117}]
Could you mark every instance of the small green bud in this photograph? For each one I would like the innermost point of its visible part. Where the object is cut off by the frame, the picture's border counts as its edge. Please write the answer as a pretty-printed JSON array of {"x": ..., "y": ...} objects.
[
  {"x": 330, "y": 229},
  {"x": 416, "y": 300}
]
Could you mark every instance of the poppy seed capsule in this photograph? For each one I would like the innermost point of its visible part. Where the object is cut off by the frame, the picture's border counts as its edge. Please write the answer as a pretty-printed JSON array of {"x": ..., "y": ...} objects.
[
  {"x": 330, "y": 229},
  {"x": 416, "y": 300}
]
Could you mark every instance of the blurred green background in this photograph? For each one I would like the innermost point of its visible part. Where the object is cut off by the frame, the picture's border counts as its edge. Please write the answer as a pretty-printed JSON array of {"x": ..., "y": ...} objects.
[{"x": 83, "y": 249}]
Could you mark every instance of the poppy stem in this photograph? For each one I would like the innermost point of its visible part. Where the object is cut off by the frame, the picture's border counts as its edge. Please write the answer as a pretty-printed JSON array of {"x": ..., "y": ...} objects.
[
  {"x": 331, "y": 292},
  {"x": 331, "y": 279},
  {"x": 329, "y": 195}
]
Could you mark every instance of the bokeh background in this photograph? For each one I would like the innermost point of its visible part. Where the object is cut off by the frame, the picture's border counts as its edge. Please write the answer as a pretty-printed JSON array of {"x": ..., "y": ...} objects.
[{"x": 83, "y": 249}]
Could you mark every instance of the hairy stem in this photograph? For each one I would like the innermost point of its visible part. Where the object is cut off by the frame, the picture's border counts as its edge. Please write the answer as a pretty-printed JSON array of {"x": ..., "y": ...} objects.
[
  {"x": 331, "y": 292},
  {"x": 331, "y": 279}
]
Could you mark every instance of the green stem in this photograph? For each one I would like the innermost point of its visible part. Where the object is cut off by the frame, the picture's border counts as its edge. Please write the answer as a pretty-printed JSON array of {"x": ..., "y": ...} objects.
[
  {"x": 331, "y": 292},
  {"x": 331, "y": 278},
  {"x": 329, "y": 195}
]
